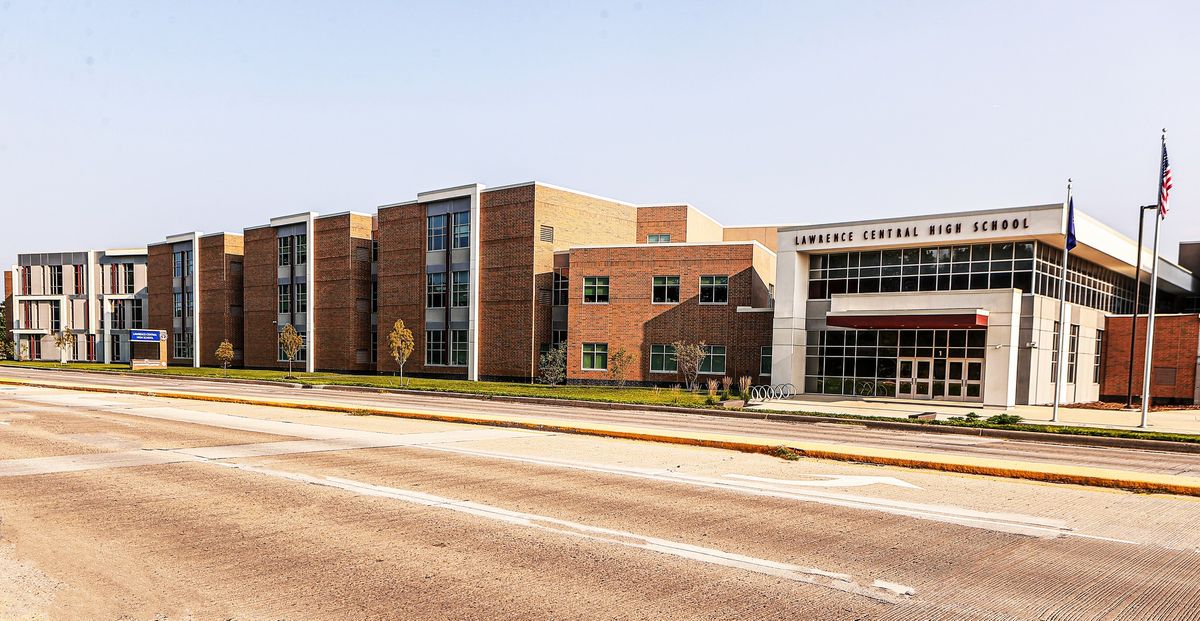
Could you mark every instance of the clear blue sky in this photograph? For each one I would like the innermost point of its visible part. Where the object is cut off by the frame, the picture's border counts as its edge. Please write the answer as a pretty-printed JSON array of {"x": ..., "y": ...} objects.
[{"x": 121, "y": 123}]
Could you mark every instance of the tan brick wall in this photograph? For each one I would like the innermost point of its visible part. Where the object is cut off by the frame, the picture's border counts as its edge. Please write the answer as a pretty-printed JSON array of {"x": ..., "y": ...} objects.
[
  {"x": 672, "y": 219},
  {"x": 220, "y": 293},
  {"x": 342, "y": 256},
  {"x": 1176, "y": 346},
  {"x": 631, "y": 321}
]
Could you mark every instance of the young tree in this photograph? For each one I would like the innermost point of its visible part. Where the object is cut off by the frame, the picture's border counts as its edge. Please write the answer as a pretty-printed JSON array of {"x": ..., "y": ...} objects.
[
  {"x": 23, "y": 350},
  {"x": 6, "y": 343},
  {"x": 400, "y": 345},
  {"x": 225, "y": 354},
  {"x": 553, "y": 365},
  {"x": 291, "y": 342},
  {"x": 65, "y": 342},
  {"x": 618, "y": 366},
  {"x": 688, "y": 357}
]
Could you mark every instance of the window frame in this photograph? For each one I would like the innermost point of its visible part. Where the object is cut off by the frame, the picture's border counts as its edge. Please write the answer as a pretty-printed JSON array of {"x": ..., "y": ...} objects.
[
  {"x": 283, "y": 305},
  {"x": 665, "y": 354},
  {"x": 300, "y": 247},
  {"x": 1098, "y": 358},
  {"x": 765, "y": 354},
  {"x": 460, "y": 229},
  {"x": 460, "y": 288},
  {"x": 429, "y": 351},
  {"x": 431, "y": 289},
  {"x": 666, "y": 287},
  {"x": 711, "y": 356},
  {"x": 713, "y": 287},
  {"x": 284, "y": 251},
  {"x": 597, "y": 349},
  {"x": 459, "y": 341},
  {"x": 439, "y": 233},
  {"x": 596, "y": 286},
  {"x": 658, "y": 238},
  {"x": 560, "y": 289}
]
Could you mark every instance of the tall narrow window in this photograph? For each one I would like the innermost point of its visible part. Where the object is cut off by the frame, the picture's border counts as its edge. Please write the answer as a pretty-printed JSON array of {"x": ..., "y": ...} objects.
[
  {"x": 55, "y": 317},
  {"x": 1098, "y": 362},
  {"x": 285, "y": 251},
  {"x": 595, "y": 290},
  {"x": 26, "y": 281},
  {"x": 462, "y": 229},
  {"x": 178, "y": 295},
  {"x": 436, "y": 233},
  {"x": 189, "y": 298},
  {"x": 178, "y": 262},
  {"x": 435, "y": 290},
  {"x": 1054, "y": 355},
  {"x": 301, "y": 249},
  {"x": 435, "y": 347},
  {"x": 188, "y": 263},
  {"x": 374, "y": 299},
  {"x": 301, "y": 296},
  {"x": 460, "y": 288},
  {"x": 285, "y": 299},
  {"x": 136, "y": 321},
  {"x": 79, "y": 281},
  {"x": 458, "y": 348},
  {"x": 764, "y": 360},
  {"x": 561, "y": 289},
  {"x": 1072, "y": 353},
  {"x": 595, "y": 356},
  {"x": 666, "y": 290},
  {"x": 714, "y": 289},
  {"x": 127, "y": 274},
  {"x": 56, "y": 280}
]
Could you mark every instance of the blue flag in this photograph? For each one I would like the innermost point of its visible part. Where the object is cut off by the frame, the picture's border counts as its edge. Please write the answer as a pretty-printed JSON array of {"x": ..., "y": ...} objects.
[{"x": 1071, "y": 241}]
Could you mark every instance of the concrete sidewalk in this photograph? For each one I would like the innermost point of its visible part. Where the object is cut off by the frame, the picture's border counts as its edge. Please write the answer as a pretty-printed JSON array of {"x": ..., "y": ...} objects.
[
  {"x": 783, "y": 447},
  {"x": 1173, "y": 421}
]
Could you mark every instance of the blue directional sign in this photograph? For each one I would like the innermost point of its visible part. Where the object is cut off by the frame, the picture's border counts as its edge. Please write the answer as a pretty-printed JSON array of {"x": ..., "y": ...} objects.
[{"x": 146, "y": 336}]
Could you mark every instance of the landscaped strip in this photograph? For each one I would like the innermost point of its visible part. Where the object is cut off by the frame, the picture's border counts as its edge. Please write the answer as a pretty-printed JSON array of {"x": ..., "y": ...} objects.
[
  {"x": 593, "y": 395},
  {"x": 1077, "y": 475}
]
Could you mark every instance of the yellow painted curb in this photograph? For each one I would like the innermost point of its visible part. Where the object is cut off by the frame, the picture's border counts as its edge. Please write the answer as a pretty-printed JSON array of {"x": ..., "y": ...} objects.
[{"x": 1054, "y": 473}]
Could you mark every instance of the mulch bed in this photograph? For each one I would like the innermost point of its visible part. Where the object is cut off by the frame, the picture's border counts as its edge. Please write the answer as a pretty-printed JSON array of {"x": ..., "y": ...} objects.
[{"x": 1112, "y": 405}]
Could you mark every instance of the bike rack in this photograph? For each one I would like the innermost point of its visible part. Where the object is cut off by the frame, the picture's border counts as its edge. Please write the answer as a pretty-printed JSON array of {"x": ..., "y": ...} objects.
[{"x": 764, "y": 393}]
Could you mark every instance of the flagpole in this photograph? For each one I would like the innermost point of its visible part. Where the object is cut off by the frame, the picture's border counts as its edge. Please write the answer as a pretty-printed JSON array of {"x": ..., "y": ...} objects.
[
  {"x": 1060, "y": 372},
  {"x": 1146, "y": 366}
]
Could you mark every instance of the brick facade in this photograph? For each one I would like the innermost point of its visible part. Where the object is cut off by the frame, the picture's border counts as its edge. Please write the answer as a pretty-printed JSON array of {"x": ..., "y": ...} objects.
[
  {"x": 342, "y": 271},
  {"x": 1176, "y": 347},
  {"x": 220, "y": 294},
  {"x": 159, "y": 285},
  {"x": 631, "y": 321},
  {"x": 260, "y": 279},
  {"x": 401, "y": 289},
  {"x": 659, "y": 219}
]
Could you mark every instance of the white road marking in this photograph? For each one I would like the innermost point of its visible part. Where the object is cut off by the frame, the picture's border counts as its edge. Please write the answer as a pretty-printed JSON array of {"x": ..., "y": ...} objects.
[
  {"x": 879, "y": 590},
  {"x": 830, "y": 480}
]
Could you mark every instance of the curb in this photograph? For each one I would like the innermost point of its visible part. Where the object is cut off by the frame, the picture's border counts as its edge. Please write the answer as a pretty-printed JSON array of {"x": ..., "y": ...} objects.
[
  {"x": 1051, "y": 473},
  {"x": 752, "y": 414}
]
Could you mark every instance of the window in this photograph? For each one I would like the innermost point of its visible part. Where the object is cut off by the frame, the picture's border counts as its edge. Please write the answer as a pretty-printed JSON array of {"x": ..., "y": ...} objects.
[
  {"x": 714, "y": 289},
  {"x": 658, "y": 238},
  {"x": 374, "y": 346},
  {"x": 115, "y": 342},
  {"x": 79, "y": 288},
  {"x": 558, "y": 337},
  {"x": 561, "y": 289},
  {"x": 188, "y": 263},
  {"x": 666, "y": 289},
  {"x": 301, "y": 248},
  {"x": 435, "y": 290},
  {"x": 462, "y": 229},
  {"x": 26, "y": 281},
  {"x": 458, "y": 348},
  {"x": 374, "y": 296},
  {"x": 178, "y": 262},
  {"x": 90, "y": 339},
  {"x": 1072, "y": 354},
  {"x": 56, "y": 280},
  {"x": 595, "y": 356},
  {"x": 437, "y": 232},
  {"x": 459, "y": 288},
  {"x": 127, "y": 272},
  {"x": 285, "y": 299},
  {"x": 118, "y": 314},
  {"x": 764, "y": 360},
  {"x": 178, "y": 295},
  {"x": 1054, "y": 356},
  {"x": 301, "y": 296},
  {"x": 301, "y": 354},
  {"x": 55, "y": 317},
  {"x": 435, "y": 347},
  {"x": 136, "y": 311},
  {"x": 662, "y": 359},
  {"x": 183, "y": 345},
  {"x": 714, "y": 360},
  {"x": 189, "y": 298},
  {"x": 375, "y": 251},
  {"x": 35, "y": 347},
  {"x": 285, "y": 251},
  {"x": 595, "y": 290},
  {"x": 1098, "y": 360}
]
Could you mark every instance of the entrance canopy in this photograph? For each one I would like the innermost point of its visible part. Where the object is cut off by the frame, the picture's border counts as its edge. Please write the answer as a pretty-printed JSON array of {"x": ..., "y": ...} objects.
[{"x": 944, "y": 318}]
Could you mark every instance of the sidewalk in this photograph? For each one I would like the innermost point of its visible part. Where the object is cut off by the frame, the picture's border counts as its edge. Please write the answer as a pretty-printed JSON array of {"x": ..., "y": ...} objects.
[{"x": 1173, "y": 421}]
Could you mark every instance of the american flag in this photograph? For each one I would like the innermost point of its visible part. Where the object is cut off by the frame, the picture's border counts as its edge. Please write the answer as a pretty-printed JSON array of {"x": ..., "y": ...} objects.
[{"x": 1164, "y": 185}]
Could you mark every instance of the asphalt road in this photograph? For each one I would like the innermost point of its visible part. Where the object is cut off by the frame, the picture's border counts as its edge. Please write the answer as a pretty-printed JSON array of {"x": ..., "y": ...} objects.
[
  {"x": 115, "y": 506},
  {"x": 949, "y": 444}
]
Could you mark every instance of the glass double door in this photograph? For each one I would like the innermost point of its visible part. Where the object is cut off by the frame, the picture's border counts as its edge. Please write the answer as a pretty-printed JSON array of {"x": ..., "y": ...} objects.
[{"x": 949, "y": 379}]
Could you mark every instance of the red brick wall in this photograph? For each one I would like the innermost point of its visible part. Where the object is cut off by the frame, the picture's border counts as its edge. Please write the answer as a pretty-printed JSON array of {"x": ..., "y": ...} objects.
[
  {"x": 1176, "y": 346},
  {"x": 506, "y": 289},
  {"x": 160, "y": 270},
  {"x": 667, "y": 219},
  {"x": 401, "y": 275},
  {"x": 260, "y": 298},
  {"x": 342, "y": 273},
  {"x": 220, "y": 292},
  {"x": 630, "y": 320}
]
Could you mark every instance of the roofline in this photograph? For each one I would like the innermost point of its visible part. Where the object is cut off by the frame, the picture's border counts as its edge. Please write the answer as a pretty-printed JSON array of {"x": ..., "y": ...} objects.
[
  {"x": 740, "y": 242},
  {"x": 220, "y": 233},
  {"x": 791, "y": 227},
  {"x": 344, "y": 213}
]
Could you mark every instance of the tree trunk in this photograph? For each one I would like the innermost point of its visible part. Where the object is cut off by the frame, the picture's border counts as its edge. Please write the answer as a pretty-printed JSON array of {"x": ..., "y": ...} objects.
[{"x": 402, "y": 376}]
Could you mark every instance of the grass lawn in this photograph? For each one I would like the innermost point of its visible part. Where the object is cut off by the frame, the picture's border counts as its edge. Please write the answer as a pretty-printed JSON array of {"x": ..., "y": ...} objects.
[{"x": 640, "y": 396}]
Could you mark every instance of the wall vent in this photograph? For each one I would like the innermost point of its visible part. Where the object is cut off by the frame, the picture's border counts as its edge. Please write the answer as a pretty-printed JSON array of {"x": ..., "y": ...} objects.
[{"x": 547, "y": 234}]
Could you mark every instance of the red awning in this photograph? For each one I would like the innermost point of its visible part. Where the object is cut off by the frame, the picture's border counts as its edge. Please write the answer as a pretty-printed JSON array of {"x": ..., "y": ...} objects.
[{"x": 923, "y": 320}]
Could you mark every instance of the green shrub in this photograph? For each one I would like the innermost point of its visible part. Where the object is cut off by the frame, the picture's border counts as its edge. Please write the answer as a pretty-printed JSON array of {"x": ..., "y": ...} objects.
[{"x": 1004, "y": 419}]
